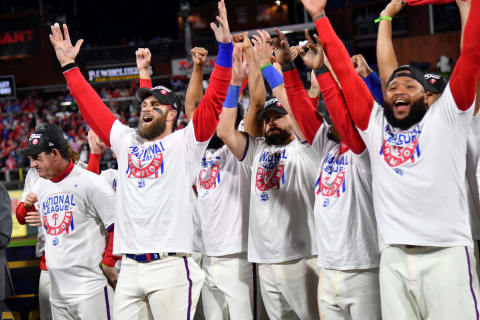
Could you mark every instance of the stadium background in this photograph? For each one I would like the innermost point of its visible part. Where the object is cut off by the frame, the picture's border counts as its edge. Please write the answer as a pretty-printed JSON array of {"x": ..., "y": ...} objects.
[{"x": 33, "y": 90}]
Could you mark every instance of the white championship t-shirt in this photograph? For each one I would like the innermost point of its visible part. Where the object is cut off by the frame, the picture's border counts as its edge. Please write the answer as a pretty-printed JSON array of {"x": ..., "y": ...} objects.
[
  {"x": 281, "y": 223},
  {"x": 110, "y": 175},
  {"x": 223, "y": 186},
  {"x": 418, "y": 176},
  {"x": 75, "y": 212},
  {"x": 153, "y": 211},
  {"x": 473, "y": 155},
  {"x": 31, "y": 181},
  {"x": 344, "y": 218}
]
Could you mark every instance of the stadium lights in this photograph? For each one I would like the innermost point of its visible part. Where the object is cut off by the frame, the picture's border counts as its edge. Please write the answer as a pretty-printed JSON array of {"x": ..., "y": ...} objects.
[{"x": 66, "y": 103}]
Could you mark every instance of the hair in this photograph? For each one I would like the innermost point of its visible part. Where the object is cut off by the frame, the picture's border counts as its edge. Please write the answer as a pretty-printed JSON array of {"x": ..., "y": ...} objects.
[{"x": 75, "y": 156}]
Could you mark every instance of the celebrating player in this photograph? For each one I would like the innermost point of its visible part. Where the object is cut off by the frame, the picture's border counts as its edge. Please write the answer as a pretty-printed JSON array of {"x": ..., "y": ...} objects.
[
  {"x": 281, "y": 227},
  {"x": 154, "y": 226},
  {"x": 418, "y": 171},
  {"x": 76, "y": 209}
]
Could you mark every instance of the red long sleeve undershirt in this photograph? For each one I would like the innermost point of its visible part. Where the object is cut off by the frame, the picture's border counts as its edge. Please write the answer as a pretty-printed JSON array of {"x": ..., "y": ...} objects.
[
  {"x": 315, "y": 101},
  {"x": 358, "y": 99},
  {"x": 463, "y": 82},
  {"x": 304, "y": 111},
  {"x": 94, "y": 163},
  {"x": 146, "y": 83},
  {"x": 335, "y": 104}
]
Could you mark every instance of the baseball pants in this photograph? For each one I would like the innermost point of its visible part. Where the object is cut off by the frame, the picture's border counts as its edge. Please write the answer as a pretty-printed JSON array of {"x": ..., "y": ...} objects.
[
  {"x": 229, "y": 287},
  {"x": 349, "y": 294},
  {"x": 428, "y": 283},
  {"x": 289, "y": 289},
  {"x": 168, "y": 288},
  {"x": 44, "y": 296},
  {"x": 97, "y": 307}
]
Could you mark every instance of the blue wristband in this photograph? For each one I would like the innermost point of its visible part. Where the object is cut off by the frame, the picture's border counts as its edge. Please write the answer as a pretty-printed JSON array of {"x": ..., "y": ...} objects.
[
  {"x": 273, "y": 77},
  {"x": 225, "y": 52},
  {"x": 232, "y": 97}
]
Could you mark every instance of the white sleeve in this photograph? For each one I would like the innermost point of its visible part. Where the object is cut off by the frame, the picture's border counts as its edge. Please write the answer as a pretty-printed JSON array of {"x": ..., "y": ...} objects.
[
  {"x": 117, "y": 136},
  {"x": 101, "y": 197},
  {"x": 30, "y": 181},
  {"x": 374, "y": 129},
  {"x": 250, "y": 149},
  {"x": 448, "y": 109},
  {"x": 194, "y": 148}
]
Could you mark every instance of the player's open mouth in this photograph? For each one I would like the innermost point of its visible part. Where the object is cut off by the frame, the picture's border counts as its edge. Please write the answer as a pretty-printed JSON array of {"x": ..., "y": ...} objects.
[
  {"x": 401, "y": 105},
  {"x": 147, "y": 119}
]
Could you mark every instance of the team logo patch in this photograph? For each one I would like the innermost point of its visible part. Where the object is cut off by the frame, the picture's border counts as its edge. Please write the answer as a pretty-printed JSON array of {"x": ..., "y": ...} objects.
[
  {"x": 400, "y": 148},
  {"x": 35, "y": 141},
  {"x": 208, "y": 177},
  {"x": 331, "y": 182},
  {"x": 145, "y": 162},
  {"x": 271, "y": 171},
  {"x": 57, "y": 214}
]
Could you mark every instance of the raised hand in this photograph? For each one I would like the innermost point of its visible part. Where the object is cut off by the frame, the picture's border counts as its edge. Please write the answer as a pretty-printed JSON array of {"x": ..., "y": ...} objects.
[
  {"x": 361, "y": 65},
  {"x": 143, "y": 57},
  {"x": 315, "y": 8},
  {"x": 295, "y": 51},
  {"x": 222, "y": 31},
  {"x": 281, "y": 48},
  {"x": 238, "y": 71},
  {"x": 262, "y": 48},
  {"x": 314, "y": 57},
  {"x": 393, "y": 8},
  {"x": 96, "y": 145},
  {"x": 65, "y": 51},
  {"x": 199, "y": 56},
  {"x": 30, "y": 200}
]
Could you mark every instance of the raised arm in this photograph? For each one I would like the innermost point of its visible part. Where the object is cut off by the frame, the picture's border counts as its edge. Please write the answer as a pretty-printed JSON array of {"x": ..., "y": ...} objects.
[
  {"x": 195, "y": 85},
  {"x": 91, "y": 106},
  {"x": 370, "y": 78},
  {"x": 299, "y": 103},
  {"x": 143, "y": 57},
  {"x": 235, "y": 140},
  {"x": 386, "y": 58},
  {"x": 205, "y": 117},
  {"x": 464, "y": 79},
  {"x": 96, "y": 150},
  {"x": 256, "y": 89},
  {"x": 314, "y": 91},
  {"x": 358, "y": 99}
]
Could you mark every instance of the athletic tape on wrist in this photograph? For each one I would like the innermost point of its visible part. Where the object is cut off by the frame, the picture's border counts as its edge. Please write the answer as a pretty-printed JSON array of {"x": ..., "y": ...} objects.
[
  {"x": 273, "y": 77},
  {"x": 231, "y": 101}
]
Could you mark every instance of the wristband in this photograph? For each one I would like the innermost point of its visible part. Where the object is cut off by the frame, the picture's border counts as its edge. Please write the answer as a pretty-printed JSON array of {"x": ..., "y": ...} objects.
[
  {"x": 288, "y": 66},
  {"x": 273, "y": 77},
  {"x": 383, "y": 18},
  {"x": 231, "y": 101},
  {"x": 224, "y": 57},
  {"x": 323, "y": 69},
  {"x": 69, "y": 66},
  {"x": 265, "y": 65},
  {"x": 319, "y": 16}
]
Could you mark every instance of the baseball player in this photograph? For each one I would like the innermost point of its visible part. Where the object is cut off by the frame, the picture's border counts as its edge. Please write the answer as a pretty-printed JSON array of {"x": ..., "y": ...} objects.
[
  {"x": 153, "y": 227},
  {"x": 281, "y": 228},
  {"x": 348, "y": 257},
  {"x": 418, "y": 178},
  {"x": 76, "y": 209}
]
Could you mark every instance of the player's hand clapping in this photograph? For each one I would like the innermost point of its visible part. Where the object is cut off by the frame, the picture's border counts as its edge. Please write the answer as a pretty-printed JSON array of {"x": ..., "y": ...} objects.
[
  {"x": 65, "y": 51},
  {"x": 222, "y": 31},
  {"x": 262, "y": 48}
]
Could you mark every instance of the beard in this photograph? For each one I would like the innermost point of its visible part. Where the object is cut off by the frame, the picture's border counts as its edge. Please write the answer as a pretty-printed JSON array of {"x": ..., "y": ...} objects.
[
  {"x": 154, "y": 129},
  {"x": 277, "y": 138},
  {"x": 215, "y": 143},
  {"x": 417, "y": 111}
]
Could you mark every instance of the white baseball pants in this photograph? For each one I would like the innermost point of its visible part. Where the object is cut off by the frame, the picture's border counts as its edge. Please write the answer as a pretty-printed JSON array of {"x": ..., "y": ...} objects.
[
  {"x": 349, "y": 294},
  {"x": 44, "y": 296},
  {"x": 98, "y": 307},
  {"x": 428, "y": 283},
  {"x": 165, "y": 289},
  {"x": 289, "y": 289},
  {"x": 229, "y": 287}
]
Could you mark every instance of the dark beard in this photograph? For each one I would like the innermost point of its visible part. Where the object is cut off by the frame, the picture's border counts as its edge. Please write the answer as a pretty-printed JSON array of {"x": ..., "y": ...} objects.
[
  {"x": 417, "y": 111},
  {"x": 215, "y": 143},
  {"x": 154, "y": 129},
  {"x": 277, "y": 139}
]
